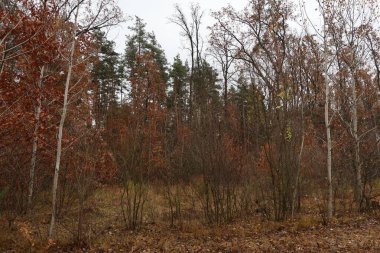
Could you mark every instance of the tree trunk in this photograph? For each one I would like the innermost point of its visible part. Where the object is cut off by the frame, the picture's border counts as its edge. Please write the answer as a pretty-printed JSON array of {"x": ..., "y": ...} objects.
[
  {"x": 35, "y": 142},
  {"x": 191, "y": 82},
  {"x": 60, "y": 135},
  {"x": 357, "y": 163},
  {"x": 329, "y": 147},
  {"x": 225, "y": 92},
  {"x": 297, "y": 183}
]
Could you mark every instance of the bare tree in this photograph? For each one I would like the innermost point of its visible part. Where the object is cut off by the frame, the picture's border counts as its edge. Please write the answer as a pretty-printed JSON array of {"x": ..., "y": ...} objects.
[
  {"x": 346, "y": 25},
  {"x": 220, "y": 42},
  {"x": 326, "y": 62},
  {"x": 191, "y": 31},
  {"x": 106, "y": 14}
]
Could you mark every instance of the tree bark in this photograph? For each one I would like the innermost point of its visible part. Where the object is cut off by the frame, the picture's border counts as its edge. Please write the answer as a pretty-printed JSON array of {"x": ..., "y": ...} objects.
[
  {"x": 35, "y": 142},
  {"x": 329, "y": 148},
  {"x": 60, "y": 135},
  {"x": 357, "y": 162},
  {"x": 327, "y": 109},
  {"x": 297, "y": 183}
]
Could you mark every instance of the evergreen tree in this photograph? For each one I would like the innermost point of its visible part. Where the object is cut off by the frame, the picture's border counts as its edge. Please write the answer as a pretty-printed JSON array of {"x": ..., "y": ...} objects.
[
  {"x": 206, "y": 90},
  {"x": 108, "y": 78},
  {"x": 139, "y": 43},
  {"x": 179, "y": 76}
]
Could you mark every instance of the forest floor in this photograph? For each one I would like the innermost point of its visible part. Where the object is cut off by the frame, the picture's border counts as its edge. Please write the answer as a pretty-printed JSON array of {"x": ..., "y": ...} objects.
[{"x": 105, "y": 232}]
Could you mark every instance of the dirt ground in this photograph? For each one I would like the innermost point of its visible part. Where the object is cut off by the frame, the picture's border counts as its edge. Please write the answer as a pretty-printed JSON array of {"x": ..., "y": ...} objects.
[
  {"x": 105, "y": 232},
  {"x": 360, "y": 236}
]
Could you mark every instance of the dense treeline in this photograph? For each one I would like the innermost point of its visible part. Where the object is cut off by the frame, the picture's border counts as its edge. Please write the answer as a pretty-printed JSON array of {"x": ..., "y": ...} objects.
[{"x": 265, "y": 119}]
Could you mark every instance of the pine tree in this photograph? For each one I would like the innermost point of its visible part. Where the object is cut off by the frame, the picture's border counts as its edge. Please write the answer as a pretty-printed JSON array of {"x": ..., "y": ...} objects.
[
  {"x": 179, "y": 76},
  {"x": 139, "y": 43},
  {"x": 108, "y": 79}
]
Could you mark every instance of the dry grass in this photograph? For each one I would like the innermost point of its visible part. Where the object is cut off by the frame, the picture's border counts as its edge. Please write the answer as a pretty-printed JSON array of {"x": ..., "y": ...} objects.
[{"x": 104, "y": 230}]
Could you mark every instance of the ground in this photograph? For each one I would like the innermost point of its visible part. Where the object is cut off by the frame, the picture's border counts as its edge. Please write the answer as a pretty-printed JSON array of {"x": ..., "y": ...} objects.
[{"x": 106, "y": 233}]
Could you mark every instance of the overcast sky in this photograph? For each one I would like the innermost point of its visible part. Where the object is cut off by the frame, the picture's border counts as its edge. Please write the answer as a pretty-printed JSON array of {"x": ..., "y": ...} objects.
[{"x": 156, "y": 13}]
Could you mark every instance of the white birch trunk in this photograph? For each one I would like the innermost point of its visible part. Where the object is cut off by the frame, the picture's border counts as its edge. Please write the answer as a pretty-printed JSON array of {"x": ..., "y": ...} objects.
[
  {"x": 329, "y": 148},
  {"x": 35, "y": 142},
  {"x": 357, "y": 163},
  {"x": 60, "y": 135},
  {"x": 327, "y": 110}
]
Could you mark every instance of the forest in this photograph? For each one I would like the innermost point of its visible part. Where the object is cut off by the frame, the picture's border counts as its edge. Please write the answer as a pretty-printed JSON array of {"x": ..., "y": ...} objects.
[{"x": 264, "y": 138}]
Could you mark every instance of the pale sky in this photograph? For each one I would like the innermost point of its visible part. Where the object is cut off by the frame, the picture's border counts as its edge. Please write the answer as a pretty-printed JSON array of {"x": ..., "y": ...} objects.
[{"x": 156, "y": 13}]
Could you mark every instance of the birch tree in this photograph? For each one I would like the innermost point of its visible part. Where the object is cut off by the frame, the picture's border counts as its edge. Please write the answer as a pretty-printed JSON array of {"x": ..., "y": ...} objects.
[
  {"x": 326, "y": 12},
  {"x": 347, "y": 28},
  {"x": 105, "y": 14}
]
